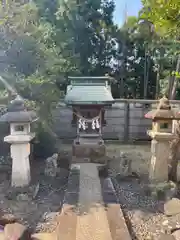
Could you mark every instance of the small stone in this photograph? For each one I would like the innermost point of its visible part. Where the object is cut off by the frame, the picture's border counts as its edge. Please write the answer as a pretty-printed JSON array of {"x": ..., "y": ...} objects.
[
  {"x": 3, "y": 176},
  {"x": 165, "y": 223},
  {"x": 121, "y": 165},
  {"x": 172, "y": 207},
  {"x": 172, "y": 191},
  {"x": 51, "y": 166},
  {"x": 49, "y": 216},
  {"x": 166, "y": 237},
  {"x": 10, "y": 195},
  {"x": 176, "y": 234},
  {"x": 39, "y": 226},
  {"x": 63, "y": 173},
  {"x": 16, "y": 231},
  {"x": 178, "y": 169},
  {"x": 138, "y": 215},
  {"x": 43, "y": 236},
  {"x": 36, "y": 190},
  {"x": 149, "y": 238},
  {"x": 23, "y": 197},
  {"x": 7, "y": 218}
]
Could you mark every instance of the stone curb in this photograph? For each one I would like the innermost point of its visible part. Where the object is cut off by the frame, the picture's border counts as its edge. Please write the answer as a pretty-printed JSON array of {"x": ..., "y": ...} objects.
[
  {"x": 68, "y": 216},
  {"x": 117, "y": 223}
]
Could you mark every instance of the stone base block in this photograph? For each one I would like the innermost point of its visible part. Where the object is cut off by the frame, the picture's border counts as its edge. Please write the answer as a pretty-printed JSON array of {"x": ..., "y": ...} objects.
[{"x": 89, "y": 153}]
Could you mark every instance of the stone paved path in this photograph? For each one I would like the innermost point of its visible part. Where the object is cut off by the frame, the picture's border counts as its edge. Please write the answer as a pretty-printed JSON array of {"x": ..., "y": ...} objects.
[
  {"x": 90, "y": 210},
  {"x": 92, "y": 222}
]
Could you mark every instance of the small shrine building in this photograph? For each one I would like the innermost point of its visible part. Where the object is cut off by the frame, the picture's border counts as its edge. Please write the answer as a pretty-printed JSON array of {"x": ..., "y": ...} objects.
[{"x": 89, "y": 97}]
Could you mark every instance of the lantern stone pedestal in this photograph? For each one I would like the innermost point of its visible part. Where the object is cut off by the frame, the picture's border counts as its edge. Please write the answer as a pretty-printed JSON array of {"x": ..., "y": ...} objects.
[
  {"x": 93, "y": 153},
  {"x": 160, "y": 148},
  {"x": 20, "y": 151}
]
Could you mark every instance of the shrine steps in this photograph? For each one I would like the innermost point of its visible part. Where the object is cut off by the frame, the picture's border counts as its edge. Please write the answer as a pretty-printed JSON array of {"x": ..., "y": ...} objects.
[{"x": 90, "y": 209}]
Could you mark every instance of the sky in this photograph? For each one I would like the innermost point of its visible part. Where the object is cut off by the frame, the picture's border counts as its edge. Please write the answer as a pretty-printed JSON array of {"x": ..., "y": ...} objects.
[{"x": 133, "y": 6}]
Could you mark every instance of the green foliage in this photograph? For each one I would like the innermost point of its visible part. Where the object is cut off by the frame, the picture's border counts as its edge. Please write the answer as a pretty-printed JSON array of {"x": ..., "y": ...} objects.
[
  {"x": 44, "y": 143},
  {"x": 45, "y": 41},
  {"x": 138, "y": 63},
  {"x": 165, "y": 17},
  {"x": 165, "y": 21},
  {"x": 59, "y": 38}
]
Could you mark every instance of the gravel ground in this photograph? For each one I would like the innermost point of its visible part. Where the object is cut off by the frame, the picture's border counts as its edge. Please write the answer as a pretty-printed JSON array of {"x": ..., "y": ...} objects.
[
  {"x": 39, "y": 213},
  {"x": 146, "y": 215}
]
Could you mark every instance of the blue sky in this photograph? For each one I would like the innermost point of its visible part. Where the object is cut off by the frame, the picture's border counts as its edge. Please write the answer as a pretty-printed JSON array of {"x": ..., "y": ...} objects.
[{"x": 133, "y": 6}]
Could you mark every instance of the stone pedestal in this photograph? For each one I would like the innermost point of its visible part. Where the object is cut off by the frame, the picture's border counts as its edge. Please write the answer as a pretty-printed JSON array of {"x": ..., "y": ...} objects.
[
  {"x": 20, "y": 151},
  {"x": 89, "y": 152},
  {"x": 160, "y": 150}
]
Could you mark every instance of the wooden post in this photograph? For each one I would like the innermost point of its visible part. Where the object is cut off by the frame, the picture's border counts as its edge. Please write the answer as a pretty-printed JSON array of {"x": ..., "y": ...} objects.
[
  {"x": 126, "y": 121},
  {"x": 146, "y": 59},
  {"x": 100, "y": 123},
  {"x": 78, "y": 132}
]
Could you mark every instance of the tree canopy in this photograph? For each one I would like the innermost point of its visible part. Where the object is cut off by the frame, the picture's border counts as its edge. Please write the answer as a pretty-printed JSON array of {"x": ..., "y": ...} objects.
[
  {"x": 165, "y": 21},
  {"x": 45, "y": 41}
]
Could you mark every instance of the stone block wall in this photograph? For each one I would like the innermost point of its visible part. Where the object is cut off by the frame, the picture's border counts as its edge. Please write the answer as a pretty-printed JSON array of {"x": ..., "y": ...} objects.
[{"x": 123, "y": 123}]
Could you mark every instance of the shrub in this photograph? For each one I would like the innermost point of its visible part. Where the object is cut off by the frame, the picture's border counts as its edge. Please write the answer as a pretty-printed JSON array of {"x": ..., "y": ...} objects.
[{"x": 44, "y": 142}]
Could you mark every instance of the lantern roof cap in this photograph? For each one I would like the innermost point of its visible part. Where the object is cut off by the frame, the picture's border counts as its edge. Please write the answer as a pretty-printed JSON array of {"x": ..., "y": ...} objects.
[
  {"x": 163, "y": 111},
  {"x": 17, "y": 112}
]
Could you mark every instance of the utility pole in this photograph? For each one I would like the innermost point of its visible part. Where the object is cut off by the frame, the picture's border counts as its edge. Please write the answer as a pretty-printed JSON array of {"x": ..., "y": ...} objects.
[{"x": 145, "y": 71}]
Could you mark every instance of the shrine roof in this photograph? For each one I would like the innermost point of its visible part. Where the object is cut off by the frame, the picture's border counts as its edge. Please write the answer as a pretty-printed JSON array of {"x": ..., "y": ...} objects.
[
  {"x": 84, "y": 80},
  {"x": 89, "y": 94}
]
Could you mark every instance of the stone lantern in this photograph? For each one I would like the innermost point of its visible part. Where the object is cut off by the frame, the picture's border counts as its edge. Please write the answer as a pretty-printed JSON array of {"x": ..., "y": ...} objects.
[
  {"x": 161, "y": 134},
  {"x": 20, "y": 136}
]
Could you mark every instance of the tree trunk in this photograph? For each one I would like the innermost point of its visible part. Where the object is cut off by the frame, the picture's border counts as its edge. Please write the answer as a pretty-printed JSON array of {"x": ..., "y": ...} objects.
[
  {"x": 171, "y": 80},
  {"x": 170, "y": 85},
  {"x": 176, "y": 142},
  {"x": 173, "y": 171},
  {"x": 175, "y": 83},
  {"x": 157, "y": 81},
  {"x": 174, "y": 148}
]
